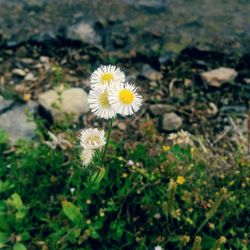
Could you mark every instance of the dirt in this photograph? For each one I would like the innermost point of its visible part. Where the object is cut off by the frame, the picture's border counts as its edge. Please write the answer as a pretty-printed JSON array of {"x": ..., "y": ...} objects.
[{"x": 178, "y": 39}]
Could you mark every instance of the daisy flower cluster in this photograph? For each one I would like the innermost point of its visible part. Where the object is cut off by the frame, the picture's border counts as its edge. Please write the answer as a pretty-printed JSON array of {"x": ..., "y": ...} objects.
[
  {"x": 110, "y": 95},
  {"x": 91, "y": 140},
  {"x": 182, "y": 138}
]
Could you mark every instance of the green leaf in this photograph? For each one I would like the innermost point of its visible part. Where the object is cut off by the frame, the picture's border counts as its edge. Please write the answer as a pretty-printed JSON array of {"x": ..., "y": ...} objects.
[
  {"x": 3, "y": 222},
  {"x": 165, "y": 208},
  {"x": 72, "y": 212},
  {"x": 3, "y": 137},
  {"x": 94, "y": 234},
  {"x": 5, "y": 186},
  {"x": 73, "y": 235},
  {"x": 15, "y": 201},
  {"x": 19, "y": 246},
  {"x": 96, "y": 179},
  {"x": 3, "y": 238},
  {"x": 25, "y": 236},
  {"x": 208, "y": 241}
]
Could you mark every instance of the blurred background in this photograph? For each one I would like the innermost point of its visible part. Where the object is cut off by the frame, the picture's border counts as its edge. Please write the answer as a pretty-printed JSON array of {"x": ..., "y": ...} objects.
[
  {"x": 191, "y": 62},
  {"x": 165, "y": 46}
]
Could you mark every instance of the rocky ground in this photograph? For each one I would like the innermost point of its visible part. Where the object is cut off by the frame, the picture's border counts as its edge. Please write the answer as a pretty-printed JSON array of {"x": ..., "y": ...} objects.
[{"x": 197, "y": 83}]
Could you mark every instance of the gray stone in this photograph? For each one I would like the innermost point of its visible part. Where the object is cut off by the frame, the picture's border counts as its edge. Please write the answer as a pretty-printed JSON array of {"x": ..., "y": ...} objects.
[
  {"x": 4, "y": 104},
  {"x": 171, "y": 122},
  {"x": 149, "y": 73},
  {"x": 19, "y": 72},
  {"x": 154, "y": 6},
  {"x": 83, "y": 32},
  {"x": 218, "y": 77},
  {"x": 15, "y": 122},
  {"x": 239, "y": 110},
  {"x": 30, "y": 77},
  {"x": 159, "y": 109},
  {"x": 71, "y": 101}
]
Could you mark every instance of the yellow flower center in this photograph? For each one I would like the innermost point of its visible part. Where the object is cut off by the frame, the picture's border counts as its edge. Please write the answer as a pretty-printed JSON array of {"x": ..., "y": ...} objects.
[
  {"x": 92, "y": 139},
  {"x": 126, "y": 96},
  {"x": 103, "y": 99},
  {"x": 107, "y": 78}
]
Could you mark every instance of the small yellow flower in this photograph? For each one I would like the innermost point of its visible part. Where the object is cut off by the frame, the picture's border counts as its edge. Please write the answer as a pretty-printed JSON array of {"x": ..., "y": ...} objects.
[
  {"x": 124, "y": 175},
  {"x": 176, "y": 214},
  {"x": 26, "y": 97},
  {"x": 165, "y": 148},
  {"x": 180, "y": 180},
  {"x": 185, "y": 239},
  {"x": 211, "y": 226}
]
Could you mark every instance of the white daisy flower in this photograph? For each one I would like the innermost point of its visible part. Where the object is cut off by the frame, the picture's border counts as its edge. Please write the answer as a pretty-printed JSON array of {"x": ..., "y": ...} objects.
[
  {"x": 124, "y": 99},
  {"x": 92, "y": 138},
  {"x": 99, "y": 104},
  {"x": 87, "y": 156},
  {"x": 173, "y": 137},
  {"x": 105, "y": 76},
  {"x": 183, "y": 138}
]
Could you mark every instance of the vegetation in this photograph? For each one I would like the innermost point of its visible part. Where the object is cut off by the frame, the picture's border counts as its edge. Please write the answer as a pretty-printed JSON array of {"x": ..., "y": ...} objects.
[{"x": 174, "y": 196}]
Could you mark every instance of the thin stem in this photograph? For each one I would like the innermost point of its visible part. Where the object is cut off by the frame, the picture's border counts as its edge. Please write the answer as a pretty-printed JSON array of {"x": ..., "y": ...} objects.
[
  {"x": 108, "y": 136},
  {"x": 202, "y": 225},
  {"x": 103, "y": 155}
]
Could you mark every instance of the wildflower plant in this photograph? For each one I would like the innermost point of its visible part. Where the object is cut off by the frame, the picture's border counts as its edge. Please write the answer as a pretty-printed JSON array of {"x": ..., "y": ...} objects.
[{"x": 110, "y": 95}]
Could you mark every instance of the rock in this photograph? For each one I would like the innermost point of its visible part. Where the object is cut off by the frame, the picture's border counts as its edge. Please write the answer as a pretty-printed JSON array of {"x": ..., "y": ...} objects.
[
  {"x": 247, "y": 80},
  {"x": 18, "y": 72},
  {"x": 15, "y": 122},
  {"x": 47, "y": 38},
  {"x": 149, "y": 73},
  {"x": 153, "y": 84},
  {"x": 171, "y": 122},
  {"x": 71, "y": 101},
  {"x": 44, "y": 59},
  {"x": 188, "y": 82},
  {"x": 5, "y": 104},
  {"x": 30, "y": 77},
  {"x": 218, "y": 77},
  {"x": 83, "y": 32},
  {"x": 159, "y": 109},
  {"x": 27, "y": 60},
  {"x": 122, "y": 126},
  {"x": 69, "y": 78},
  {"x": 21, "y": 88},
  {"x": 239, "y": 110},
  {"x": 152, "y": 6}
]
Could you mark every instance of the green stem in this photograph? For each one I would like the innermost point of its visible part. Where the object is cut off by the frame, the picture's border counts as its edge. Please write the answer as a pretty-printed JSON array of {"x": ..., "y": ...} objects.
[
  {"x": 104, "y": 152},
  {"x": 108, "y": 136},
  {"x": 202, "y": 225}
]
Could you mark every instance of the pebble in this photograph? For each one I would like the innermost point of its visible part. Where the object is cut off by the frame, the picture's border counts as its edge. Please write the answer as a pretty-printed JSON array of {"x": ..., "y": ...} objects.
[
  {"x": 71, "y": 101},
  {"x": 4, "y": 104},
  {"x": 218, "y": 77},
  {"x": 159, "y": 109},
  {"x": 171, "y": 122},
  {"x": 149, "y": 73},
  {"x": 30, "y": 77},
  {"x": 83, "y": 32},
  {"x": 18, "y": 72},
  {"x": 16, "y": 123}
]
